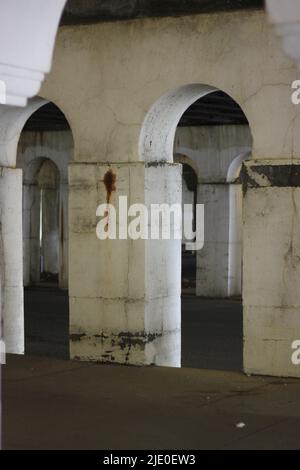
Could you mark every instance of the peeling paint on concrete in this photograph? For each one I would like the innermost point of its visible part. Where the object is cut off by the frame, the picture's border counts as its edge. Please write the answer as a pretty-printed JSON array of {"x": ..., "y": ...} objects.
[
  {"x": 264, "y": 176},
  {"x": 76, "y": 337},
  {"x": 115, "y": 347}
]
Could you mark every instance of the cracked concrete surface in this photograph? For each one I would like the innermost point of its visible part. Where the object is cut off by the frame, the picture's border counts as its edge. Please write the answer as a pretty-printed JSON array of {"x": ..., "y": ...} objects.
[{"x": 56, "y": 404}]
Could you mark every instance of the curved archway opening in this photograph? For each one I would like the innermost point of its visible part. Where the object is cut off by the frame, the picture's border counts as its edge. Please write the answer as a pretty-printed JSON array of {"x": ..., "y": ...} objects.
[
  {"x": 206, "y": 129},
  {"x": 44, "y": 151}
]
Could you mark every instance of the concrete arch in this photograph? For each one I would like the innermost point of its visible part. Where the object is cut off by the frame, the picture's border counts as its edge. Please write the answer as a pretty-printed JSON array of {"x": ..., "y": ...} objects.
[
  {"x": 186, "y": 160},
  {"x": 31, "y": 170},
  {"x": 156, "y": 149},
  {"x": 159, "y": 126},
  {"x": 58, "y": 148},
  {"x": 157, "y": 135},
  {"x": 235, "y": 167},
  {"x": 12, "y": 122},
  {"x": 34, "y": 149},
  {"x": 235, "y": 226}
]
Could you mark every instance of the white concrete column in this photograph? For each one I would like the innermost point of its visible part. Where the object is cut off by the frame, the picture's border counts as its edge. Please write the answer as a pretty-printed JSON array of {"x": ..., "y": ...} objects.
[
  {"x": 188, "y": 198},
  {"x": 63, "y": 237},
  {"x": 31, "y": 233},
  {"x": 235, "y": 240},
  {"x": 11, "y": 259},
  {"x": 124, "y": 293},
  {"x": 212, "y": 260},
  {"x": 50, "y": 229},
  {"x": 163, "y": 185},
  {"x": 271, "y": 267}
]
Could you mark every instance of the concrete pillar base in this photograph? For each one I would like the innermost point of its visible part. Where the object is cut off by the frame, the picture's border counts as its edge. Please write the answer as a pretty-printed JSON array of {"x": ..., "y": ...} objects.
[{"x": 124, "y": 293}]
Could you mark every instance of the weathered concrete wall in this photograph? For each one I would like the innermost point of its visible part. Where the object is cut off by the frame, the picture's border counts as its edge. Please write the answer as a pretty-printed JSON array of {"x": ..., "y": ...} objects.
[
  {"x": 126, "y": 67},
  {"x": 33, "y": 151}
]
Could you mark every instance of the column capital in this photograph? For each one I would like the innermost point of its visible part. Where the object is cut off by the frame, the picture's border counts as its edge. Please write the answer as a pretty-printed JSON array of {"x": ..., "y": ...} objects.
[{"x": 26, "y": 57}]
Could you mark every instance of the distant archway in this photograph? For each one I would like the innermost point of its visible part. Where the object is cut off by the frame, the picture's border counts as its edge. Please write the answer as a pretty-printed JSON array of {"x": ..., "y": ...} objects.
[
  {"x": 41, "y": 222},
  {"x": 156, "y": 149},
  {"x": 13, "y": 122}
]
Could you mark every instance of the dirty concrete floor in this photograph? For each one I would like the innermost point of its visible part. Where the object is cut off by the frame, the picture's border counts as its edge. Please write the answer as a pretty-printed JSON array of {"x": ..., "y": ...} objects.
[
  {"x": 212, "y": 332},
  {"x": 57, "y": 404},
  {"x": 52, "y": 403},
  {"x": 46, "y": 313}
]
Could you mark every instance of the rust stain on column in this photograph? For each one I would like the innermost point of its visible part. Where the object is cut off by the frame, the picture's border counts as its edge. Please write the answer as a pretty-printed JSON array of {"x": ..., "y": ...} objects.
[
  {"x": 110, "y": 184},
  {"x": 109, "y": 181}
]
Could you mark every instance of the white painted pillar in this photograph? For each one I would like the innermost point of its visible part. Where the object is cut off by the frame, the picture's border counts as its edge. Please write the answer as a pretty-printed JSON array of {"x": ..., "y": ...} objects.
[
  {"x": 271, "y": 267},
  {"x": 11, "y": 259},
  {"x": 188, "y": 198},
  {"x": 235, "y": 240},
  {"x": 27, "y": 203},
  {"x": 124, "y": 294},
  {"x": 163, "y": 185},
  {"x": 63, "y": 236},
  {"x": 50, "y": 229},
  {"x": 212, "y": 260},
  {"x": 31, "y": 233}
]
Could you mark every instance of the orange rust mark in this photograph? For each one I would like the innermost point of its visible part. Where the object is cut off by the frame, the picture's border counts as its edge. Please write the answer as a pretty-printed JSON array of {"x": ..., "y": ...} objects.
[
  {"x": 110, "y": 184},
  {"x": 109, "y": 181}
]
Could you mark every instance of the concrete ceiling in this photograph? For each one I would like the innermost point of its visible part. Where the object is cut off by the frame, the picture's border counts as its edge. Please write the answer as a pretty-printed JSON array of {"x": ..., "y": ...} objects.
[
  {"x": 95, "y": 11},
  {"x": 47, "y": 118},
  {"x": 214, "y": 109}
]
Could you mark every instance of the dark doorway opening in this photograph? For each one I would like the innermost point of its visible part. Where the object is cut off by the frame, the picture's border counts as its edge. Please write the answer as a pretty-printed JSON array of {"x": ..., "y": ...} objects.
[
  {"x": 210, "y": 135},
  {"x": 44, "y": 151}
]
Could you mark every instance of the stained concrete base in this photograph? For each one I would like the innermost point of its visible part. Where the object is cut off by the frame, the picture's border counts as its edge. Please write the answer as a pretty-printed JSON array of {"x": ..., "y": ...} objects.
[{"x": 57, "y": 404}]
